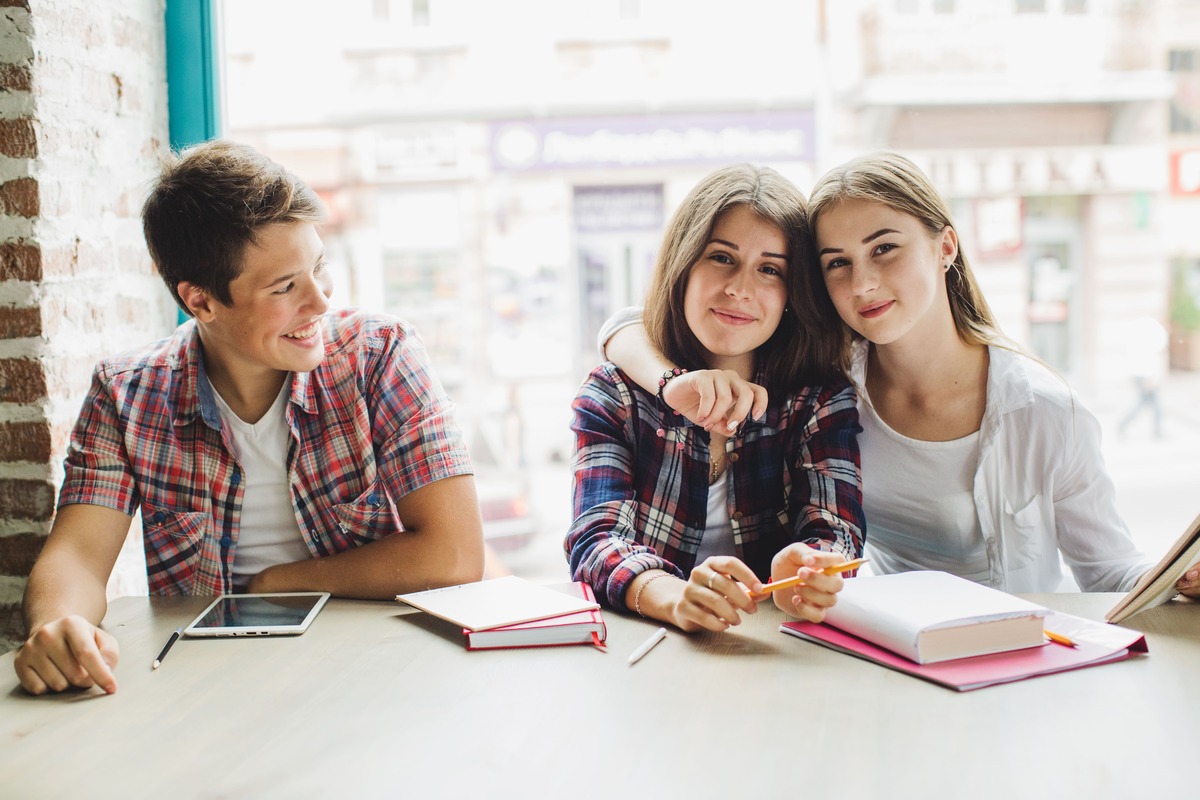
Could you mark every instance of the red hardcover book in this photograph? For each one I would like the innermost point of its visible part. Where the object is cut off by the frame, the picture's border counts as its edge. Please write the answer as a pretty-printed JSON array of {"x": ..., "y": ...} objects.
[{"x": 581, "y": 627}]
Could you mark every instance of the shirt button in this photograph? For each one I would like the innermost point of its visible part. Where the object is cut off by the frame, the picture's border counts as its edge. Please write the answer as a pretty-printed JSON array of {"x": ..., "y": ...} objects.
[
  {"x": 373, "y": 499},
  {"x": 660, "y": 433},
  {"x": 226, "y": 542},
  {"x": 737, "y": 516},
  {"x": 159, "y": 517},
  {"x": 733, "y": 457},
  {"x": 679, "y": 445},
  {"x": 991, "y": 540},
  {"x": 236, "y": 479}
]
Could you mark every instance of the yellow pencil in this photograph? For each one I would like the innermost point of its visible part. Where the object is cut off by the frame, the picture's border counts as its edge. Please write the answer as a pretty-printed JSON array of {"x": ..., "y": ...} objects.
[
  {"x": 787, "y": 583},
  {"x": 1059, "y": 638}
]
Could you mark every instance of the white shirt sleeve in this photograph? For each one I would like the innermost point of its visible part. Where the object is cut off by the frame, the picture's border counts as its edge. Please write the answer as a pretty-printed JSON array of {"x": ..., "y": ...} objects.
[
  {"x": 1094, "y": 539},
  {"x": 630, "y": 315}
]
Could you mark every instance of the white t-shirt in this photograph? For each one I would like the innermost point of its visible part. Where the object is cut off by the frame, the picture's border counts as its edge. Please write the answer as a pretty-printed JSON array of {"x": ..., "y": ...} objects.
[
  {"x": 917, "y": 497},
  {"x": 268, "y": 533},
  {"x": 718, "y": 529}
]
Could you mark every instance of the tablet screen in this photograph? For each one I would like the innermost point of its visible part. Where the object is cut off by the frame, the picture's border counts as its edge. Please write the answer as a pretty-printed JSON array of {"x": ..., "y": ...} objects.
[{"x": 258, "y": 614}]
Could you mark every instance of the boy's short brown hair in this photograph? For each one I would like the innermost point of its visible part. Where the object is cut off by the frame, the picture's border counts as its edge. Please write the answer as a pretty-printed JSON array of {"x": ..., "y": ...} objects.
[{"x": 208, "y": 205}]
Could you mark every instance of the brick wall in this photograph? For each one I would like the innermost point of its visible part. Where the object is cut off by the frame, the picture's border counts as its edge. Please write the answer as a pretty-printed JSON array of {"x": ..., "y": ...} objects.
[{"x": 82, "y": 124}]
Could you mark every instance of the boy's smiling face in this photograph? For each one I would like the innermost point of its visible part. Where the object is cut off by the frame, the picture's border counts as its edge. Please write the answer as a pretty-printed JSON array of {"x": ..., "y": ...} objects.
[{"x": 273, "y": 323}]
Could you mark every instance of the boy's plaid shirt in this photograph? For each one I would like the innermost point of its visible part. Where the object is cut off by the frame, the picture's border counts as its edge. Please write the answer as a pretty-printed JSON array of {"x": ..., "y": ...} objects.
[
  {"x": 641, "y": 482},
  {"x": 370, "y": 424}
]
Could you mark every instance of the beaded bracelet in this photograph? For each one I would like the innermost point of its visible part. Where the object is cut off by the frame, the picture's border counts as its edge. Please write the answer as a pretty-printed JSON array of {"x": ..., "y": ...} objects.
[
  {"x": 667, "y": 376},
  {"x": 637, "y": 598}
]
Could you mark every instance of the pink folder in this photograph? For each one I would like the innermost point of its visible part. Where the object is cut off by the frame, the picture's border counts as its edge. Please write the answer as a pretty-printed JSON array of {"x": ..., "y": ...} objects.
[{"x": 1099, "y": 643}]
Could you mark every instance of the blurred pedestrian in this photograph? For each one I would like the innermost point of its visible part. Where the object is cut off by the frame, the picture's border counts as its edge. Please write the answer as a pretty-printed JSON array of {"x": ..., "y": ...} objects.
[{"x": 1146, "y": 347}]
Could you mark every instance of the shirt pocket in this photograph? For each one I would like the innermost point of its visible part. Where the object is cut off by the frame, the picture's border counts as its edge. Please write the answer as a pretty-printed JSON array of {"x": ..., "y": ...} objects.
[
  {"x": 1025, "y": 532},
  {"x": 174, "y": 542},
  {"x": 368, "y": 517}
]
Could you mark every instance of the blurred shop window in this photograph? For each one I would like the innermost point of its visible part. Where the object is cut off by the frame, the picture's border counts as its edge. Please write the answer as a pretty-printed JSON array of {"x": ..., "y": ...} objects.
[
  {"x": 1185, "y": 104},
  {"x": 420, "y": 287},
  {"x": 1052, "y": 250},
  {"x": 412, "y": 12},
  {"x": 1184, "y": 351},
  {"x": 424, "y": 277},
  {"x": 1050, "y": 287},
  {"x": 617, "y": 233}
]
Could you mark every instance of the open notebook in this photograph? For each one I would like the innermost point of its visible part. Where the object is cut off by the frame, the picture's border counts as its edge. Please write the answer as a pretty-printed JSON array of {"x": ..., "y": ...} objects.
[{"x": 1158, "y": 585}]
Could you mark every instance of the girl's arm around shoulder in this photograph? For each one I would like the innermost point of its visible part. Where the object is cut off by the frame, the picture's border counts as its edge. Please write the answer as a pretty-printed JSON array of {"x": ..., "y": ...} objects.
[{"x": 711, "y": 398}]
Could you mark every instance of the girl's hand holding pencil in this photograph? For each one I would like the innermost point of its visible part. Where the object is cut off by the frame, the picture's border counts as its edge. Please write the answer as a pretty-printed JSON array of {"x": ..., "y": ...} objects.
[{"x": 787, "y": 583}]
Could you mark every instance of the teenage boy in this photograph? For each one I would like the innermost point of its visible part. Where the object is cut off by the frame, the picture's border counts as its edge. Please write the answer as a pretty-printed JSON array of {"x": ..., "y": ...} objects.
[{"x": 270, "y": 444}]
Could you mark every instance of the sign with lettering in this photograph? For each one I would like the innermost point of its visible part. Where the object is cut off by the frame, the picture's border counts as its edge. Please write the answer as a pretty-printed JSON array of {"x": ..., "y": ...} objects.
[
  {"x": 1040, "y": 171},
  {"x": 619, "y": 208},
  {"x": 638, "y": 141}
]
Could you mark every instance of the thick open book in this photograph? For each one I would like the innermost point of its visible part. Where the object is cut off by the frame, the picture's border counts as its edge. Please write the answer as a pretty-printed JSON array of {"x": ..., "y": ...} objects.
[
  {"x": 582, "y": 627},
  {"x": 929, "y": 616},
  {"x": 497, "y": 602},
  {"x": 1158, "y": 585}
]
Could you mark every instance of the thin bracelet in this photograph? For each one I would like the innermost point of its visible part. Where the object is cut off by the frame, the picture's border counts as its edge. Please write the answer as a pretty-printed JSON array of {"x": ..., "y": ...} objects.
[
  {"x": 637, "y": 598},
  {"x": 666, "y": 378}
]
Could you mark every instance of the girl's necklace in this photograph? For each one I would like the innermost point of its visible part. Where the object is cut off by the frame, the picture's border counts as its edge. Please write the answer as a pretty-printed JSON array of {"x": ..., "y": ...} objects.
[{"x": 715, "y": 460}]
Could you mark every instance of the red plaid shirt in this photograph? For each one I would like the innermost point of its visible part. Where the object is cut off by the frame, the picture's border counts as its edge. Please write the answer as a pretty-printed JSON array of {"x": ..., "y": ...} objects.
[
  {"x": 641, "y": 483},
  {"x": 369, "y": 425}
]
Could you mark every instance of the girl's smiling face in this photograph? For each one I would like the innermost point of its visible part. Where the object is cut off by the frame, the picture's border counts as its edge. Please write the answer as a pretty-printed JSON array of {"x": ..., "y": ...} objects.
[
  {"x": 884, "y": 272},
  {"x": 737, "y": 289}
]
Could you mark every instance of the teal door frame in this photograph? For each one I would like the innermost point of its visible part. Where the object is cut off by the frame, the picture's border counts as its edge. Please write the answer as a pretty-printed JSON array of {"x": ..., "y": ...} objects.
[{"x": 193, "y": 39}]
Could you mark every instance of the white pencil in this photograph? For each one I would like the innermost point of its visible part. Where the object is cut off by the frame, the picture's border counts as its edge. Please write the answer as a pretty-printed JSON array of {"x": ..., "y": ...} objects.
[{"x": 647, "y": 645}]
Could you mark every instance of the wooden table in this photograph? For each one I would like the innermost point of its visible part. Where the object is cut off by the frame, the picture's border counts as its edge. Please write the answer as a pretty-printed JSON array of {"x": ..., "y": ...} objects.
[{"x": 375, "y": 701}]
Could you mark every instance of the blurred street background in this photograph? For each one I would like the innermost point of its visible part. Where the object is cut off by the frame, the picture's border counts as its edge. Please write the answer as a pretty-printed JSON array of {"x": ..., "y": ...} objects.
[{"x": 499, "y": 174}]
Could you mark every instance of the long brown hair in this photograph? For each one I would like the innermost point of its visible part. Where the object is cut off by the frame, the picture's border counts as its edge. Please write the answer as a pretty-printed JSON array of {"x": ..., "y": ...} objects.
[
  {"x": 805, "y": 348},
  {"x": 896, "y": 182}
]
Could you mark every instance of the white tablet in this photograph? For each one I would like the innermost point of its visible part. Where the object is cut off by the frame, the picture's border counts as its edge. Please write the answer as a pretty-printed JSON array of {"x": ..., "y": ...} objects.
[{"x": 284, "y": 614}]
